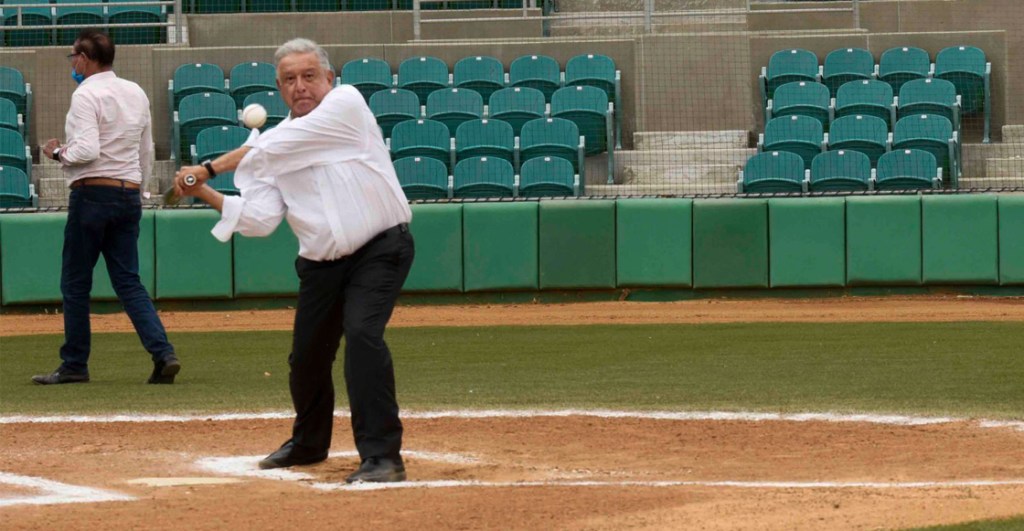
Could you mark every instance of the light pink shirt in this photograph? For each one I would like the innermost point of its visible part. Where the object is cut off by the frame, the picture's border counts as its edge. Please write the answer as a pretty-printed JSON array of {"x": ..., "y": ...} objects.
[
  {"x": 108, "y": 131},
  {"x": 329, "y": 172}
]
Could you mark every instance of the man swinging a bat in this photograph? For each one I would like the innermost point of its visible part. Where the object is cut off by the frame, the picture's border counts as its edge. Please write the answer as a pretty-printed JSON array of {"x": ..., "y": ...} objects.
[{"x": 326, "y": 168}]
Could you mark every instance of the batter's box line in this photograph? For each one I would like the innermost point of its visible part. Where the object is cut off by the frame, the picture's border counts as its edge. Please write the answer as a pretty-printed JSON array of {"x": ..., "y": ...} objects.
[
  {"x": 55, "y": 492},
  {"x": 247, "y": 466}
]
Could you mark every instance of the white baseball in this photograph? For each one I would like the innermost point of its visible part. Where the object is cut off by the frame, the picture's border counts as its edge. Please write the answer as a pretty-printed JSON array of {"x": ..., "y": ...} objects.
[{"x": 254, "y": 116}]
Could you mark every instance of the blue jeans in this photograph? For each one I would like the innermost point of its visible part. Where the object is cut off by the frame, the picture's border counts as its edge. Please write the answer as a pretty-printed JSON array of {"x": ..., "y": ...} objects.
[{"x": 104, "y": 219}]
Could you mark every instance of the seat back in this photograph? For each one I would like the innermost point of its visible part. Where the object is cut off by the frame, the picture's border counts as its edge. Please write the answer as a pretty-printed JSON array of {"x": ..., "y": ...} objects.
[
  {"x": 247, "y": 78},
  {"x": 492, "y": 138},
  {"x": 368, "y": 75},
  {"x": 899, "y": 65},
  {"x": 840, "y": 170},
  {"x": 271, "y": 100},
  {"x": 14, "y": 185},
  {"x": 546, "y": 177},
  {"x": 549, "y": 131},
  {"x": 536, "y": 71},
  {"x": 517, "y": 105},
  {"x": 906, "y": 168},
  {"x": 793, "y": 128},
  {"x": 484, "y": 177},
  {"x": 136, "y": 14},
  {"x": 421, "y": 137},
  {"x": 845, "y": 65},
  {"x": 773, "y": 171},
  {"x": 196, "y": 78},
  {"x": 423, "y": 75},
  {"x": 12, "y": 150},
  {"x": 393, "y": 106},
  {"x": 923, "y": 127},
  {"x": 213, "y": 142},
  {"x": 859, "y": 128},
  {"x": 587, "y": 107},
  {"x": 803, "y": 98},
  {"x": 455, "y": 102},
  {"x": 422, "y": 177},
  {"x": 482, "y": 74},
  {"x": 592, "y": 69},
  {"x": 786, "y": 66},
  {"x": 965, "y": 67},
  {"x": 8, "y": 115}
]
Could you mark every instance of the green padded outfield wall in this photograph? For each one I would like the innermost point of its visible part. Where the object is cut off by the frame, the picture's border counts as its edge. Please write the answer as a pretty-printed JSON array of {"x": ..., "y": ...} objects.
[
  {"x": 654, "y": 242},
  {"x": 437, "y": 231},
  {"x": 266, "y": 266},
  {"x": 577, "y": 244},
  {"x": 730, "y": 243},
  {"x": 883, "y": 240},
  {"x": 31, "y": 246},
  {"x": 190, "y": 262},
  {"x": 960, "y": 239},
  {"x": 807, "y": 238},
  {"x": 1011, "y": 239},
  {"x": 499, "y": 246},
  {"x": 102, "y": 289}
]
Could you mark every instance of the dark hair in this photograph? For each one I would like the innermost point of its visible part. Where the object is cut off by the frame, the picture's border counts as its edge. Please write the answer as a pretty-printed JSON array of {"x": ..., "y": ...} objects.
[{"x": 96, "y": 45}]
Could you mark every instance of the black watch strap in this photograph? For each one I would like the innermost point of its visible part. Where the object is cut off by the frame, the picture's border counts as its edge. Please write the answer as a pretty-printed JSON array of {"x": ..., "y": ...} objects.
[
  {"x": 56, "y": 154},
  {"x": 209, "y": 168}
]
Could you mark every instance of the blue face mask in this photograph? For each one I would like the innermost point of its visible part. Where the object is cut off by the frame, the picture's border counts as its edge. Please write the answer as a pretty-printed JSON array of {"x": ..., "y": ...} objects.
[{"x": 79, "y": 78}]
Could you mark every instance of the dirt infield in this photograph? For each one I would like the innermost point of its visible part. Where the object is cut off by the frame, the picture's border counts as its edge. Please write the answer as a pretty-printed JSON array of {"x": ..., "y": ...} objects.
[
  {"x": 847, "y": 309},
  {"x": 521, "y": 472}
]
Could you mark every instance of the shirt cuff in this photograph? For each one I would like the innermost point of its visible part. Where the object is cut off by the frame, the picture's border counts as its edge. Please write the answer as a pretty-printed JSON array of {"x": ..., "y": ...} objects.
[
  {"x": 253, "y": 137},
  {"x": 231, "y": 212}
]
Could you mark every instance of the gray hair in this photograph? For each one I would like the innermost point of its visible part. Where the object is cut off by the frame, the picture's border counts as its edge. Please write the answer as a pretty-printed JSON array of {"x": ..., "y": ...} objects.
[{"x": 295, "y": 46}]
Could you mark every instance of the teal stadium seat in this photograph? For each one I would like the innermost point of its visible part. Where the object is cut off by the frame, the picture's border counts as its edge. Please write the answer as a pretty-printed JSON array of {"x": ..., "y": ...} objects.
[
  {"x": 454, "y": 106},
  {"x": 552, "y": 137},
  {"x": 15, "y": 189},
  {"x": 423, "y": 178},
  {"x": 78, "y": 16},
  {"x": 485, "y": 138},
  {"x": 14, "y": 88},
  {"x": 422, "y": 138},
  {"x": 271, "y": 100},
  {"x": 548, "y": 177},
  {"x": 931, "y": 133},
  {"x": 394, "y": 106},
  {"x": 929, "y": 96},
  {"x": 796, "y": 134},
  {"x": 148, "y": 14},
  {"x": 773, "y": 172},
  {"x": 14, "y": 152},
  {"x": 803, "y": 98},
  {"x": 517, "y": 105},
  {"x": 538, "y": 72},
  {"x": 864, "y": 134},
  {"x": 423, "y": 75},
  {"x": 907, "y": 169},
  {"x": 249, "y": 78},
  {"x": 30, "y": 16},
  {"x": 845, "y": 65},
  {"x": 599, "y": 71},
  {"x": 899, "y": 65},
  {"x": 482, "y": 74},
  {"x": 214, "y": 6},
  {"x": 588, "y": 108},
  {"x": 967, "y": 69},
  {"x": 840, "y": 171},
  {"x": 368, "y": 75},
  {"x": 867, "y": 98},
  {"x": 213, "y": 142},
  {"x": 194, "y": 78},
  {"x": 197, "y": 112},
  {"x": 9, "y": 117},
  {"x": 484, "y": 177},
  {"x": 787, "y": 66}
]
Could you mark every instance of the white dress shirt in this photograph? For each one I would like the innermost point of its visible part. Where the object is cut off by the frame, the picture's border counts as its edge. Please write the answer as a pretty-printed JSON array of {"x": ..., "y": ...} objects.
[
  {"x": 108, "y": 130},
  {"x": 329, "y": 172}
]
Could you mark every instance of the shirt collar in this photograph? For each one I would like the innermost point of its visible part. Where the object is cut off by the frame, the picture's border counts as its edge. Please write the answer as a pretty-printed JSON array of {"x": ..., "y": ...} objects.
[{"x": 100, "y": 76}]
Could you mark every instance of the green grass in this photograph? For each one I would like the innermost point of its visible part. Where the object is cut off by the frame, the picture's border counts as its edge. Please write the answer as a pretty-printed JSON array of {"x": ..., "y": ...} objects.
[
  {"x": 1011, "y": 524},
  {"x": 963, "y": 369}
]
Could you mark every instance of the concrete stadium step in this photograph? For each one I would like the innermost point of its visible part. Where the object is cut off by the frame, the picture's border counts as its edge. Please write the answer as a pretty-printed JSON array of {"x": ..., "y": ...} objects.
[
  {"x": 982, "y": 183},
  {"x": 662, "y": 140},
  {"x": 679, "y": 157},
  {"x": 660, "y": 189},
  {"x": 1009, "y": 168},
  {"x": 591, "y": 6},
  {"x": 687, "y": 174},
  {"x": 974, "y": 156},
  {"x": 1013, "y": 134},
  {"x": 635, "y": 27}
]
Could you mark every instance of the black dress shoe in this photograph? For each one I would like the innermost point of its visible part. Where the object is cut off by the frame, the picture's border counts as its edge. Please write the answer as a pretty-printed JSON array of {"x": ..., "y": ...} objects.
[
  {"x": 290, "y": 454},
  {"x": 379, "y": 470},
  {"x": 164, "y": 370},
  {"x": 61, "y": 376}
]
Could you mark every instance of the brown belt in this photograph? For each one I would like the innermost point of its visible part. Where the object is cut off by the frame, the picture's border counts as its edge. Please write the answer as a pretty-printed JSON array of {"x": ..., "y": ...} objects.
[{"x": 105, "y": 181}]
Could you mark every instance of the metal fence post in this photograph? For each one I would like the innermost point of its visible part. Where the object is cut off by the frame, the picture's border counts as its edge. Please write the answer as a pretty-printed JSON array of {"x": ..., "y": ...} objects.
[
  {"x": 416, "y": 20},
  {"x": 648, "y": 9}
]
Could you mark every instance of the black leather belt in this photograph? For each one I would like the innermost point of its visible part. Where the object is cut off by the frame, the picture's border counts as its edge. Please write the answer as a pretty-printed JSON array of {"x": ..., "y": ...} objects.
[{"x": 397, "y": 229}]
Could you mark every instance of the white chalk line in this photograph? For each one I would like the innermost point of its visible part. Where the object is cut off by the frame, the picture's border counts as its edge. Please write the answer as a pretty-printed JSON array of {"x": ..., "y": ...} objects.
[
  {"x": 55, "y": 492},
  {"x": 440, "y": 484},
  {"x": 743, "y": 416}
]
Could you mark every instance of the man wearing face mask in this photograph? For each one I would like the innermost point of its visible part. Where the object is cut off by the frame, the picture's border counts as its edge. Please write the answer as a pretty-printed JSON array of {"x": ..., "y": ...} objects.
[{"x": 106, "y": 160}]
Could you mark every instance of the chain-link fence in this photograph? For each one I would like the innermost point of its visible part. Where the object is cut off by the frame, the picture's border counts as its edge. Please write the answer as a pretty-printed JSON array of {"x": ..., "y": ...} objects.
[{"x": 491, "y": 99}]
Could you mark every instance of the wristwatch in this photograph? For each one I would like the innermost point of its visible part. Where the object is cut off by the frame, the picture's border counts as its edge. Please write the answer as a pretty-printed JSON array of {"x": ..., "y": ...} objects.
[
  {"x": 56, "y": 154},
  {"x": 209, "y": 168}
]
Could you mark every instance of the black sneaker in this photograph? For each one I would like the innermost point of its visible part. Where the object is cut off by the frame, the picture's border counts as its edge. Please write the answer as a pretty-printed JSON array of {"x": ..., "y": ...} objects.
[
  {"x": 290, "y": 454},
  {"x": 379, "y": 470},
  {"x": 165, "y": 370},
  {"x": 61, "y": 376}
]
